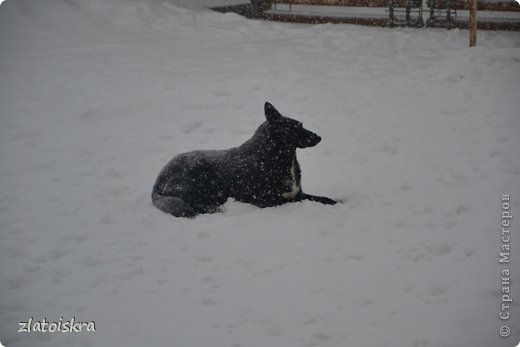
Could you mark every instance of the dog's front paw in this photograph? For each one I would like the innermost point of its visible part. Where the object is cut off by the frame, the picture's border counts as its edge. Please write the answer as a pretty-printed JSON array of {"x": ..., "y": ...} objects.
[{"x": 328, "y": 201}]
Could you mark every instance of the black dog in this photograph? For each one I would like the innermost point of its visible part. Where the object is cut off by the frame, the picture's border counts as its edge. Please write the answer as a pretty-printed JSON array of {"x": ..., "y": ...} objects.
[{"x": 263, "y": 171}]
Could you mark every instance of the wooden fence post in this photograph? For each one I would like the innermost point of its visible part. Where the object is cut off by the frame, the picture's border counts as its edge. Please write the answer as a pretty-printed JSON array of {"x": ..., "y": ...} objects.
[{"x": 473, "y": 23}]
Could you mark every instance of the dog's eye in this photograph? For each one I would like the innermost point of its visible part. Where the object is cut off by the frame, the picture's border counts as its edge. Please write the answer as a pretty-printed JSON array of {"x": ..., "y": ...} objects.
[{"x": 299, "y": 125}]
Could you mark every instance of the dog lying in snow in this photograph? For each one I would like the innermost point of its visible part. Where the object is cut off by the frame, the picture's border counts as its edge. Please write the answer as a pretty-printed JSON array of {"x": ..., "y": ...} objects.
[{"x": 262, "y": 171}]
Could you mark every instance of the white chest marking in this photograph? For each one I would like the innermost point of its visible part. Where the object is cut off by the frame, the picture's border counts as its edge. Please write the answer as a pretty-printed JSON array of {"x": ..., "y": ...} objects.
[{"x": 295, "y": 188}]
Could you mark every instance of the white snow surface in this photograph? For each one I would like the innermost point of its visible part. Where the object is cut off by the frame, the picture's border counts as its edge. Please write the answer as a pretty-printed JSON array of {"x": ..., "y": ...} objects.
[{"x": 420, "y": 138}]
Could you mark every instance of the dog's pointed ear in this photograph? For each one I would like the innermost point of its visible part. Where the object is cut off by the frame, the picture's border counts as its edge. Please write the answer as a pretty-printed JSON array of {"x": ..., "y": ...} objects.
[{"x": 271, "y": 113}]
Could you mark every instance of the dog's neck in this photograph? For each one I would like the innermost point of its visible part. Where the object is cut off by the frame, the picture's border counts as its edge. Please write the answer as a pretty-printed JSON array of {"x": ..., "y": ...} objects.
[{"x": 262, "y": 144}]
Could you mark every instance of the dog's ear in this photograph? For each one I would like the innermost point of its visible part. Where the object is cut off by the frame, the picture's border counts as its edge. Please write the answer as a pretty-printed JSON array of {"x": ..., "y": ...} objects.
[{"x": 271, "y": 113}]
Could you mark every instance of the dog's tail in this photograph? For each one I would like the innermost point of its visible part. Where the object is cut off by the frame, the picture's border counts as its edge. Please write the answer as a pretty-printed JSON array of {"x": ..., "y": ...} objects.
[{"x": 173, "y": 205}]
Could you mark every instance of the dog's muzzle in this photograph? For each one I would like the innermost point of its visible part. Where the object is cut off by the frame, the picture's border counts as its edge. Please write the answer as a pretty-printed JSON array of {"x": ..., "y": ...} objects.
[{"x": 310, "y": 141}]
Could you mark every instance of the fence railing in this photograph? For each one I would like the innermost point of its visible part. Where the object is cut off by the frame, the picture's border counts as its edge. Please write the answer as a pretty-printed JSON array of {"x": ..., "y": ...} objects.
[{"x": 403, "y": 12}]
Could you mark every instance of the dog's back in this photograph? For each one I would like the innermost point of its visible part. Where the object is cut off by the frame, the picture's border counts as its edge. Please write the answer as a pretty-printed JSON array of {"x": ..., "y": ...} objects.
[{"x": 189, "y": 184}]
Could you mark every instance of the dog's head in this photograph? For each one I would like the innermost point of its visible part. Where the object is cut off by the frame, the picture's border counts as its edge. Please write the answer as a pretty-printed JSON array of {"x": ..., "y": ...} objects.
[{"x": 288, "y": 131}]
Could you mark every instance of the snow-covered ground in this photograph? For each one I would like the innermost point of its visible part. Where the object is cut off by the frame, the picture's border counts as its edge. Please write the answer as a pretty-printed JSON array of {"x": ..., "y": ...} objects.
[{"x": 420, "y": 137}]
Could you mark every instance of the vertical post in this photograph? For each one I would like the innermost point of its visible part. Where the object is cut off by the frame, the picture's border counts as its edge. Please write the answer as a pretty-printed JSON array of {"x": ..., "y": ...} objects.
[
  {"x": 448, "y": 13},
  {"x": 408, "y": 10},
  {"x": 433, "y": 7},
  {"x": 391, "y": 12},
  {"x": 473, "y": 23}
]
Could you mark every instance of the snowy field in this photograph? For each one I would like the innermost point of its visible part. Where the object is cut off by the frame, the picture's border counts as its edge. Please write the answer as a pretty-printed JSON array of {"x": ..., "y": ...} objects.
[{"x": 421, "y": 137}]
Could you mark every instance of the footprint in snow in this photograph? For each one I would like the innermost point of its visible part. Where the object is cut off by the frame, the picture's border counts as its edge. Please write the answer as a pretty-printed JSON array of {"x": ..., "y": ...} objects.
[
  {"x": 406, "y": 187},
  {"x": 204, "y": 259},
  {"x": 322, "y": 337},
  {"x": 203, "y": 235},
  {"x": 106, "y": 219},
  {"x": 188, "y": 127},
  {"x": 274, "y": 331},
  {"x": 30, "y": 268},
  {"x": 208, "y": 302}
]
